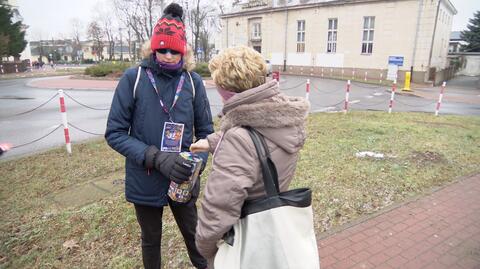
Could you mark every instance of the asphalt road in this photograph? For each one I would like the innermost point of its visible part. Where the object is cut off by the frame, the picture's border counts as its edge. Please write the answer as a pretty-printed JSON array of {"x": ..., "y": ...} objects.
[
  {"x": 16, "y": 98},
  {"x": 27, "y": 115}
]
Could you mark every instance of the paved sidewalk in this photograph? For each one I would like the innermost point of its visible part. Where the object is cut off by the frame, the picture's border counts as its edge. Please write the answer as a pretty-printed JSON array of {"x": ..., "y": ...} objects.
[{"x": 441, "y": 230}]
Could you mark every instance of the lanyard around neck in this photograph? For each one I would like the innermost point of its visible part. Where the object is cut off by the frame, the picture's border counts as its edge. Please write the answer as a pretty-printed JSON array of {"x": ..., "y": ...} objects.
[{"x": 177, "y": 93}]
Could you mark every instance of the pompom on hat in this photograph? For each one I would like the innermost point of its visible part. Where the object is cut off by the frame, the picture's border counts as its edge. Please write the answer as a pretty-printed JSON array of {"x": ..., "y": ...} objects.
[{"x": 169, "y": 32}]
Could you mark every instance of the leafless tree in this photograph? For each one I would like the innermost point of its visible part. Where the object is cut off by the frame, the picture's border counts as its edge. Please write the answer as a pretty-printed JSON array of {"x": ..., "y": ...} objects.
[
  {"x": 139, "y": 15},
  {"x": 108, "y": 30},
  {"x": 96, "y": 34},
  {"x": 198, "y": 23},
  {"x": 77, "y": 28}
]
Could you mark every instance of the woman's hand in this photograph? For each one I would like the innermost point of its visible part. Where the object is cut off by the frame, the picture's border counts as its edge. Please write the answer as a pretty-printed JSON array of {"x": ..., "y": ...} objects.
[{"x": 201, "y": 145}]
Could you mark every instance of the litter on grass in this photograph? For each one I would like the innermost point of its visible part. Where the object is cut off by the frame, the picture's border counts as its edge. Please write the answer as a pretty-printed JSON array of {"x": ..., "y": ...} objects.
[{"x": 371, "y": 154}]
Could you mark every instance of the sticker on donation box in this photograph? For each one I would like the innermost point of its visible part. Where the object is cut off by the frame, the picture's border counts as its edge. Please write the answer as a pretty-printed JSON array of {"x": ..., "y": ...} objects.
[{"x": 172, "y": 137}]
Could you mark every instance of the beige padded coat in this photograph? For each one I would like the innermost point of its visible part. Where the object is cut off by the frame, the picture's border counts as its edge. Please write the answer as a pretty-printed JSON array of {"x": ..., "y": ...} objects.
[{"x": 236, "y": 174}]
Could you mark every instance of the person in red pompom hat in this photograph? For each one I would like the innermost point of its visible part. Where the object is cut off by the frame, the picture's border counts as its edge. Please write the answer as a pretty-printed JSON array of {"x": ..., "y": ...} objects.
[{"x": 159, "y": 108}]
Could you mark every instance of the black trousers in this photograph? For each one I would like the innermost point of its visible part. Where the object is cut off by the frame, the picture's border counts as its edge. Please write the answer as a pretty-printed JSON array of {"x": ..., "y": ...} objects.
[{"x": 150, "y": 220}]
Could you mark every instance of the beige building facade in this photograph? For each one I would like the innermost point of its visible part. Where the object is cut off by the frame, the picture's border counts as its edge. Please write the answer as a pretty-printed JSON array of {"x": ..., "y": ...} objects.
[{"x": 358, "y": 38}]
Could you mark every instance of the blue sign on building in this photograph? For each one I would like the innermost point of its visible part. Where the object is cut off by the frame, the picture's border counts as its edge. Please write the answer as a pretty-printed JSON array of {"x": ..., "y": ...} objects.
[{"x": 396, "y": 60}]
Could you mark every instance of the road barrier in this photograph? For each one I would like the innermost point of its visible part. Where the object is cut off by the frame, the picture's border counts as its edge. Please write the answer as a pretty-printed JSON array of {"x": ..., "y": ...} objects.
[
  {"x": 307, "y": 90},
  {"x": 308, "y": 85},
  {"x": 63, "y": 110},
  {"x": 389, "y": 102},
  {"x": 392, "y": 97},
  {"x": 440, "y": 97},
  {"x": 347, "y": 93}
]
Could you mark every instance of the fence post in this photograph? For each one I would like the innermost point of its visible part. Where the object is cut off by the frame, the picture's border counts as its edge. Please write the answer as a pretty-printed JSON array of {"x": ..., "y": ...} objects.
[
  {"x": 353, "y": 74},
  {"x": 63, "y": 111},
  {"x": 381, "y": 77},
  {"x": 322, "y": 72},
  {"x": 394, "y": 87},
  {"x": 365, "y": 79},
  {"x": 1, "y": 67},
  {"x": 440, "y": 97},
  {"x": 307, "y": 93},
  {"x": 347, "y": 93}
]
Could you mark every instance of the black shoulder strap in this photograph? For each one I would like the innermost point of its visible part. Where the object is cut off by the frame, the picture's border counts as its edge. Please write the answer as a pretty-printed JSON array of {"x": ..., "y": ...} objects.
[{"x": 269, "y": 171}]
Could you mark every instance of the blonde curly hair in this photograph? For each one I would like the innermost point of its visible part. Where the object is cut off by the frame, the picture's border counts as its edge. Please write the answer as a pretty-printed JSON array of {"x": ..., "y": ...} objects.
[
  {"x": 238, "y": 69},
  {"x": 188, "y": 60}
]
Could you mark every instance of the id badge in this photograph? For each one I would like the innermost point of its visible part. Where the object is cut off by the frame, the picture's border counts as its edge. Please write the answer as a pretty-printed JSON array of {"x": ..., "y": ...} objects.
[{"x": 172, "y": 137}]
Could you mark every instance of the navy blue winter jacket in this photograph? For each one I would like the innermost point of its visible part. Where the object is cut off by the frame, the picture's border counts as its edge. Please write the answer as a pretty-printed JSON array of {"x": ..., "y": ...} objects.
[{"x": 134, "y": 123}]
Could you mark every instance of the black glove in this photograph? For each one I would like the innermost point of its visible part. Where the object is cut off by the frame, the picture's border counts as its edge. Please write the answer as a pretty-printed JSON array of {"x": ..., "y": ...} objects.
[{"x": 170, "y": 164}]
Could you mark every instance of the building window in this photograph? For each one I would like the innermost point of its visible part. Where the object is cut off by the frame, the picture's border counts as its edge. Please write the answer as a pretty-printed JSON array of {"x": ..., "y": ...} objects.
[
  {"x": 332, "y": 35},
  {"x": 368, "y": 30},
  {"x": 257, "y": 31},
  {"x": 300, "y": 36}
]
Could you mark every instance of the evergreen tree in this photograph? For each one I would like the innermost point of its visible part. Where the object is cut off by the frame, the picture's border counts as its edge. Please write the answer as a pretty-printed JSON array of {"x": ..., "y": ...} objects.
[
  {"x": 12, "y": 35},
  {"x": 472, "y": 35}
]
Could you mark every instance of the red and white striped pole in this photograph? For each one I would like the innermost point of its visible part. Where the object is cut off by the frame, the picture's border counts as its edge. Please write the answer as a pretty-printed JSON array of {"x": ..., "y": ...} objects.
[
  {"x": 394, "y": 88},
  {"x": 63, "y": 111},
  {"x": 440, "y": 98},
  {"x": 307, "y": 93},
  {"x": 347, "y": 93}
]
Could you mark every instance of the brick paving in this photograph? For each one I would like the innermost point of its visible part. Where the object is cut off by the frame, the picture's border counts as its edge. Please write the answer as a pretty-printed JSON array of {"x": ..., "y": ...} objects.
[{"x": 438, "y": 231}]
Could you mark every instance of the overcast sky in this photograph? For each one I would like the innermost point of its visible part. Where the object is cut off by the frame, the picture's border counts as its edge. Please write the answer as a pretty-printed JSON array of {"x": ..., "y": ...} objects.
[{"x": 52, "y": 18}]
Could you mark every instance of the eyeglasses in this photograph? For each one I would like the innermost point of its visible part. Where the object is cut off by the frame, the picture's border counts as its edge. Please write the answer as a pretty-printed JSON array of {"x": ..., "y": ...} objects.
[{"x": 165, "y": 51}]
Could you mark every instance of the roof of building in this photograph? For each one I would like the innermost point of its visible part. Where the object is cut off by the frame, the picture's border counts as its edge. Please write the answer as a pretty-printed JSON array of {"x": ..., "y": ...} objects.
[
  {"x": 455, "y": 35},
  {"x": 251, "y": 7}
]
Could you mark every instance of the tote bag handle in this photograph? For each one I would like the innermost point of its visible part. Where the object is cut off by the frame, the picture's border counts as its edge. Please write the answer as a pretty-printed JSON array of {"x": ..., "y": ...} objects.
[{"x": 269, "y": 171}]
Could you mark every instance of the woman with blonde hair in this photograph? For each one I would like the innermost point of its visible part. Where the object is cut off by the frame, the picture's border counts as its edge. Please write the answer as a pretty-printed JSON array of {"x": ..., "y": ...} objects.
[
  {"x": 249, "y": 100},
  {"x": 154, "y": 105}
]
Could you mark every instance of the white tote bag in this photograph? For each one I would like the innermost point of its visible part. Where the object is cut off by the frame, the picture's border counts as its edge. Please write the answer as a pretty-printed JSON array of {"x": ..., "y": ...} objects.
[{"x": 274, "y": 232}]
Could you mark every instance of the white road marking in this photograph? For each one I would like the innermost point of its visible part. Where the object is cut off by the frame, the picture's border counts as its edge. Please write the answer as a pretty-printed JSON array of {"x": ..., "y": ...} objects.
[{"x": 326, "y": 109}]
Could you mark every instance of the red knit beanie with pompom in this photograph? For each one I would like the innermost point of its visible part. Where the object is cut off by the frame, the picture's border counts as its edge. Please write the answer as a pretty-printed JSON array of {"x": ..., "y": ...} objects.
[{"x": 169, "y": 32}]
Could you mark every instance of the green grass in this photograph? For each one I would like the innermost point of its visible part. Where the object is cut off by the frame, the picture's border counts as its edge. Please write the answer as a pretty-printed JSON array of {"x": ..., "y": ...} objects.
[{"x": 422, "y": 151}]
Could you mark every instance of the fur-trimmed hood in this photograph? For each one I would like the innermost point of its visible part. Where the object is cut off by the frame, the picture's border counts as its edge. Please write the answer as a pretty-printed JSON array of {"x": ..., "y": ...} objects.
[{"x": 278, "y": 117}]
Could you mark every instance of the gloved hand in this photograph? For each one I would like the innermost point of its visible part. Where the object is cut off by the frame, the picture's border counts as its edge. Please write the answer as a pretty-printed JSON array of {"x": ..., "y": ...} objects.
[{"x": 170, "y": 164}]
